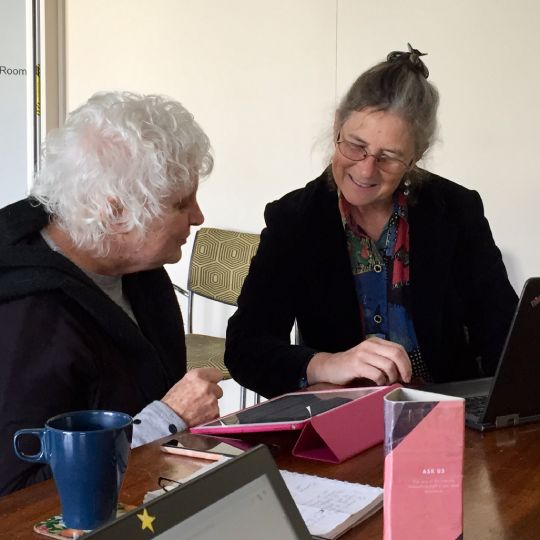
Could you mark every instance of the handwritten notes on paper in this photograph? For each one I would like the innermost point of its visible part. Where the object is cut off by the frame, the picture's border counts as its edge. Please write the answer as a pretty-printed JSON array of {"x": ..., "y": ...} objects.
[{"x": 331, "y": 507}]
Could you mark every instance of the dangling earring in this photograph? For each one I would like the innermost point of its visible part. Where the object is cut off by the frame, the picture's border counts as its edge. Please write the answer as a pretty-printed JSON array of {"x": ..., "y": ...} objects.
[{"x": 407, "y": 185}]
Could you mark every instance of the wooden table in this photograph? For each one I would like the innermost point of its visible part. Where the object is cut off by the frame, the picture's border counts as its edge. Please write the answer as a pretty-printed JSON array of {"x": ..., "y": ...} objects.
[{"x": 501, "y": 484}]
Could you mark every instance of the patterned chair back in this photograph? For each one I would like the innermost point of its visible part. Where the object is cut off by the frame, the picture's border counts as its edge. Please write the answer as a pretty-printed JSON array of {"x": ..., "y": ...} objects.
[{"x": 220, "y": 262}]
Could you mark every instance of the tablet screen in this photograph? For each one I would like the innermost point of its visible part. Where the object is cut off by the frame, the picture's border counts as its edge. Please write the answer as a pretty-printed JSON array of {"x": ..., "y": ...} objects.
[{"x": 290, "y": 408}]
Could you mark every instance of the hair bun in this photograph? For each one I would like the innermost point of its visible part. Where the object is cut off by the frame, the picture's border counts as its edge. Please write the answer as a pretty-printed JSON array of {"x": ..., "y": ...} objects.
[{"x": 412, "y": 58}]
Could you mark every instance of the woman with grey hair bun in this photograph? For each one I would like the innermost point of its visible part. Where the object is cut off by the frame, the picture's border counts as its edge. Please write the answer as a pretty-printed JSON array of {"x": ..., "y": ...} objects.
[
  {"x": 388, "y": 270},
  {"x": 88, "y": 315}
]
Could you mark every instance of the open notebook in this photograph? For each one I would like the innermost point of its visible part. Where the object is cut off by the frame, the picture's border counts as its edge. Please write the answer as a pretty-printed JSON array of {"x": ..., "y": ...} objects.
[{"x": 331, "y": 507}]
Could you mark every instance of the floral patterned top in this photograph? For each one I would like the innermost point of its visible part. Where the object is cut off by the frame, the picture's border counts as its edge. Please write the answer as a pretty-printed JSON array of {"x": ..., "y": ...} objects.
[{"x": 381, "y": 276}]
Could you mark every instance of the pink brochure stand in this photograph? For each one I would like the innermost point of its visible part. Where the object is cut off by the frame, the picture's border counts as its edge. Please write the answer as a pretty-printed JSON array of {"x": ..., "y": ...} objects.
[
  {"x": 423, "y": 466},
  {"x": 347, "y": 430}
]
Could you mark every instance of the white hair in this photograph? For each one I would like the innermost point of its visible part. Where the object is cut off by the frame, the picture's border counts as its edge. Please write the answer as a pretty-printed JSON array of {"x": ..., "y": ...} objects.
[{"x": 119, "y": 151}]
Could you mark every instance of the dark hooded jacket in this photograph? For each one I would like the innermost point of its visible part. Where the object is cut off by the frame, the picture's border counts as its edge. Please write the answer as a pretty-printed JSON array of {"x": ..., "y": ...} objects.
[{"x": 66, "y": 346}]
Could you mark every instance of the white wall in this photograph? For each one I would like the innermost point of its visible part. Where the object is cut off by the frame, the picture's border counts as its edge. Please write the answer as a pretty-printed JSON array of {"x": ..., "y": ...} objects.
[{"x": 262, "y": 78}]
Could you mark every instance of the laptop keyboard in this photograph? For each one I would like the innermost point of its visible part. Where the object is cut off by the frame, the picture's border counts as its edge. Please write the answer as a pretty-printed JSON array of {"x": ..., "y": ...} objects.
[{"x": 476, "y": 405}]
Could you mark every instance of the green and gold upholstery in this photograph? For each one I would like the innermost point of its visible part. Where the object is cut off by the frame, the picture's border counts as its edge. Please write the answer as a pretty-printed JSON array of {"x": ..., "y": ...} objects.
[{"x": 219, "y": 264}]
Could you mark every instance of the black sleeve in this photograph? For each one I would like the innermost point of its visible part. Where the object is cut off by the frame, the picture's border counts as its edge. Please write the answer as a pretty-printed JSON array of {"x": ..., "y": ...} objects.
[
  {"x": 259, "y": 354},
  {"x": 488, "y": 297},
  {"x": 47, "y": 369}
]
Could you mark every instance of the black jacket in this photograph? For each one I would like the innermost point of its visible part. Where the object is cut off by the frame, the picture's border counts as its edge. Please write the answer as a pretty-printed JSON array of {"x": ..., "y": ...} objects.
[
  {"x": 66, "y": 346},
  {"x": 462, "y": 300}
]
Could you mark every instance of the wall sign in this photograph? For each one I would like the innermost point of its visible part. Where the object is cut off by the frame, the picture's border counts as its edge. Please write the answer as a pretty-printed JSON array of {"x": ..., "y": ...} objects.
[{"x": 17, "y": 104}]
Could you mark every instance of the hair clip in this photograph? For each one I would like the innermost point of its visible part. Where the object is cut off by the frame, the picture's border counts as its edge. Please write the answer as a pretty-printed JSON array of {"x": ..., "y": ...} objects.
[{"x": 412, "y": 56}]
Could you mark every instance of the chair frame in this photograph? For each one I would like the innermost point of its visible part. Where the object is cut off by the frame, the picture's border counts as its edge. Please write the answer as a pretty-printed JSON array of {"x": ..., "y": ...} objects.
[{"x": 190, "y": 294}]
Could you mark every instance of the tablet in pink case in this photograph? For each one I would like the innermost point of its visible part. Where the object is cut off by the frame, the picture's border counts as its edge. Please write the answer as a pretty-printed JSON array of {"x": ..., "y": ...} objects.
[{"x": 335, "y": 424}]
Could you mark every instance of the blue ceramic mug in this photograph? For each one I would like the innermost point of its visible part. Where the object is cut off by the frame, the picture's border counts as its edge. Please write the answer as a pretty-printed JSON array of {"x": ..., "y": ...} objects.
[{"x": 88, "y": 453}]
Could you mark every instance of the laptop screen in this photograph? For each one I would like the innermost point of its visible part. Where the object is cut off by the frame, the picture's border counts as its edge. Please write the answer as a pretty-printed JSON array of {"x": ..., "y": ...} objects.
[
  {"x": 253, "y": 507},
  {"x": 245, "y": 497},
  {"x": 511, "y": 396}
]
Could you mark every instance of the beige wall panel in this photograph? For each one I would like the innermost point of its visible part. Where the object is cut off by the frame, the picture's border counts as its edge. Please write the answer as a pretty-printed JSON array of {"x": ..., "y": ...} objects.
[{"x": 259, "y": 76}]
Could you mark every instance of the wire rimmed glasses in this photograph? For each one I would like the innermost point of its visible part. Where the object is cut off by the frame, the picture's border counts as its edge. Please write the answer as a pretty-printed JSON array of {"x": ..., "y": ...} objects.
[
  {"x": 166, "y": 484},
  {"x": 358, "y": 152}
]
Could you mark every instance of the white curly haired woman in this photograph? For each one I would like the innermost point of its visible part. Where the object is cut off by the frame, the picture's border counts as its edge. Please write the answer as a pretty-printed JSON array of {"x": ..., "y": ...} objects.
[{"x": 88, "y": 315}]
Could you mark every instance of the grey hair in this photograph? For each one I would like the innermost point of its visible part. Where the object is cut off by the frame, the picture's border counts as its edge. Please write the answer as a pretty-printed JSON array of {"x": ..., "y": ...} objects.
[
  {"x": 398, "y": 85},
  {"x": 119, "y": 150}
]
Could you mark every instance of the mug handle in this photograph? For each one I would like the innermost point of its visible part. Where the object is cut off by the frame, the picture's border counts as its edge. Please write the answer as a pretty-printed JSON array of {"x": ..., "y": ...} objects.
[{"x": 34, "y": 458}]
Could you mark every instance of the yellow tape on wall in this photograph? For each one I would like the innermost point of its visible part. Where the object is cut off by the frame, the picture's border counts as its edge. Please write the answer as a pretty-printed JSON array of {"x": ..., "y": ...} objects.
[{"x": 38, "y": 90}]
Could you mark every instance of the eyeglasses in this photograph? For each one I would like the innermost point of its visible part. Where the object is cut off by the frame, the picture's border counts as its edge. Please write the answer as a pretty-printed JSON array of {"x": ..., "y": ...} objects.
[
  {"x": 357, "y": 152},
  {"x": 166, "y": 484}
]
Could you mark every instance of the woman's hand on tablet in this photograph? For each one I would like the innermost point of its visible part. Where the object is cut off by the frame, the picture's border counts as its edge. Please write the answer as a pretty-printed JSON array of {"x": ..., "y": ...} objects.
[
  {"x": 195, "y": 396},
  {"x": 376, "y": 359}
]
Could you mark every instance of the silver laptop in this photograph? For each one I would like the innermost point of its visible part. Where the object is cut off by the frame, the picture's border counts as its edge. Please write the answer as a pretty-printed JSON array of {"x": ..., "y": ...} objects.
[
  {"x": 511, "y": 397},
  {"x": 245, "y": 497}
]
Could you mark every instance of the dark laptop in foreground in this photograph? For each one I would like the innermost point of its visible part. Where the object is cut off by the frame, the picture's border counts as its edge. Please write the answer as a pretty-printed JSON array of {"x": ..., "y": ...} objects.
[
  {"x": 512, "y": 396},
  {"x": 246, "y": 497}
]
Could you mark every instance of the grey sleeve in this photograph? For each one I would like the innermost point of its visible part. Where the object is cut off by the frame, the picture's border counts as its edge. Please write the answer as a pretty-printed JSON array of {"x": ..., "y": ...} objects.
[{"x": 156, "y": 420}]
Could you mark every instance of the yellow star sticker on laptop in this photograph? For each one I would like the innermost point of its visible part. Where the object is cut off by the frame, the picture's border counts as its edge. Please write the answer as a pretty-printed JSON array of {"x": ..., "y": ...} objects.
[{"x": 146, "y": 520}]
